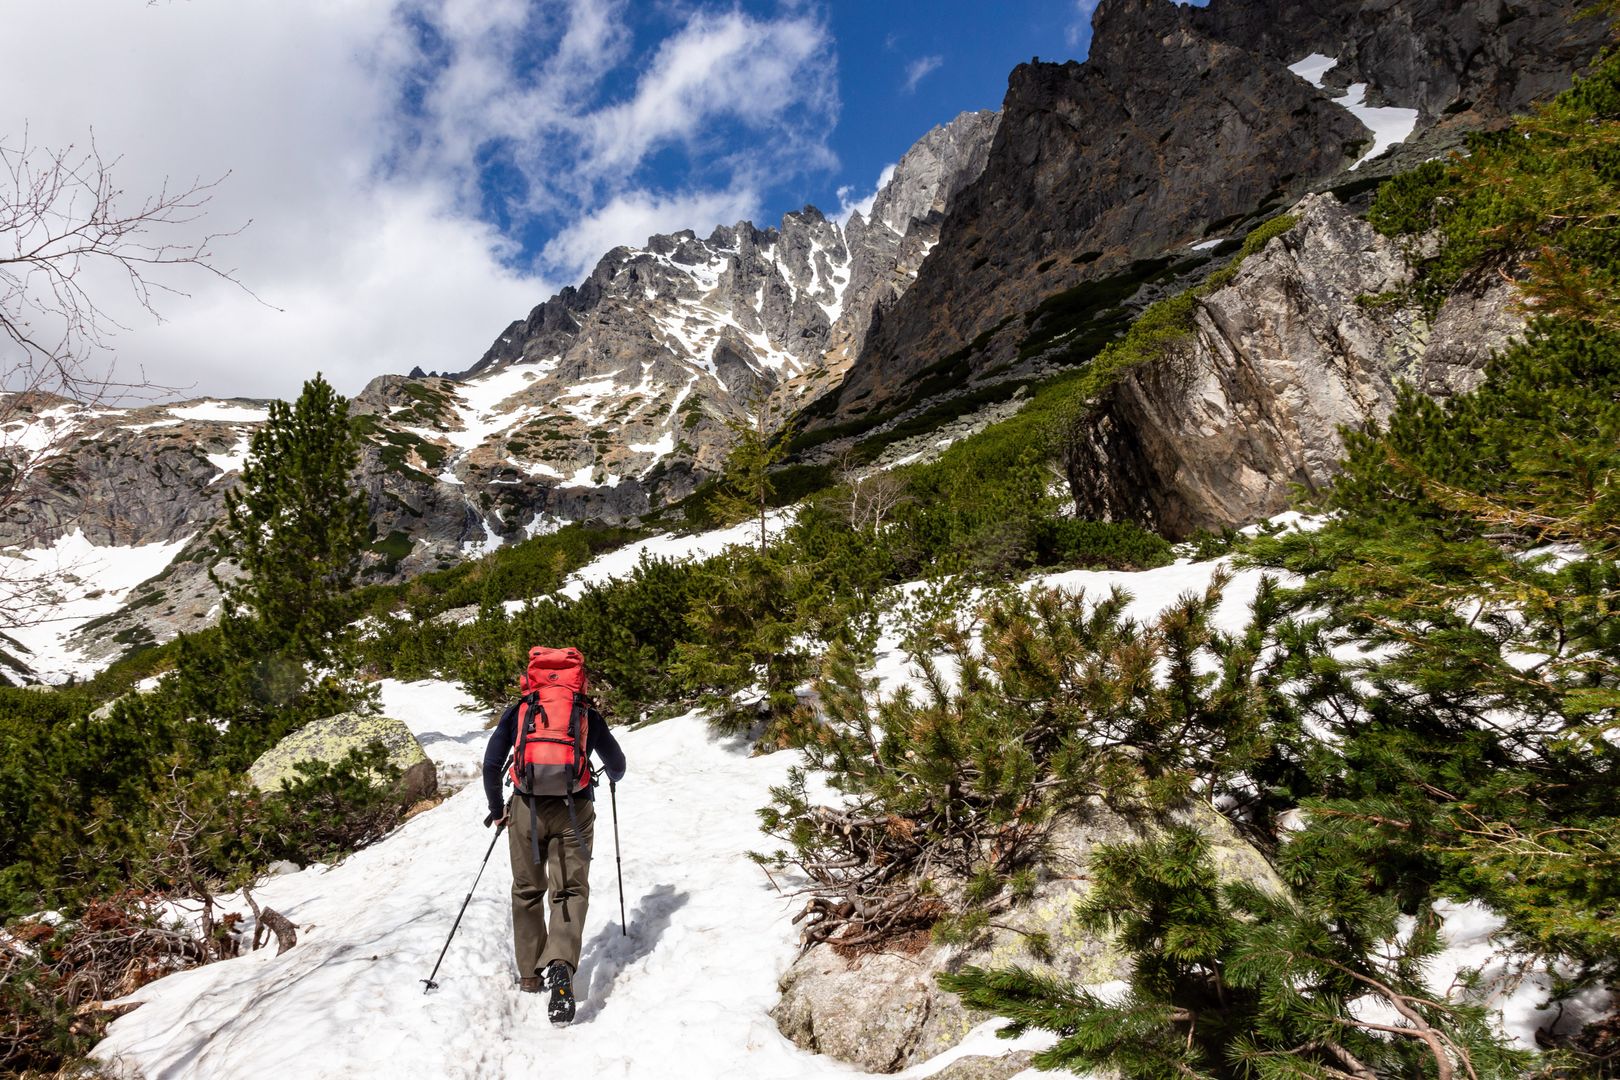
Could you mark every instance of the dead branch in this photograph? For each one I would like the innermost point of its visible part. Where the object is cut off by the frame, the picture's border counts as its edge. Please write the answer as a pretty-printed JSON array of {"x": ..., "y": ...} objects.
[
  {"x": 275, "y": 922},
  {"x": 66, "y": 229}
]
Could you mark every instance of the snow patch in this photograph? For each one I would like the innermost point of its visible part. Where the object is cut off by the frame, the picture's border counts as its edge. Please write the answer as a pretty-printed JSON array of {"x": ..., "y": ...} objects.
[
  {"x": 476, "y": 548},
  {"x": 223, "y": 411},
  {"x": 1314, "y": 67},
  {"x": 85, "y": 582},
  {"x": 664, "y": 446},
  {"x": 481, "y": 401},
  {"x": 1389, "y": 126},
  {"x": 621, "y": 563},
  {"x": 230, "y": 462}
]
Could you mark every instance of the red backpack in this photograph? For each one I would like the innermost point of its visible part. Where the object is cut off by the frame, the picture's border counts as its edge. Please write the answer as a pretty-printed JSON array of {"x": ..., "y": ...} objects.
[{"x": 548, "y": 756}]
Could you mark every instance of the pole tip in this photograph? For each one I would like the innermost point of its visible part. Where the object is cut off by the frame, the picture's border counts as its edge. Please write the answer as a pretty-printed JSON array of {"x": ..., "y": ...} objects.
[{"x": 431, "y": 985}]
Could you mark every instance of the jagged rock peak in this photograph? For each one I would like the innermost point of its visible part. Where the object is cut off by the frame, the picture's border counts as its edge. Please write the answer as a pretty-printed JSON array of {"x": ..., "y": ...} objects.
[{"x": 936, "y": 167}]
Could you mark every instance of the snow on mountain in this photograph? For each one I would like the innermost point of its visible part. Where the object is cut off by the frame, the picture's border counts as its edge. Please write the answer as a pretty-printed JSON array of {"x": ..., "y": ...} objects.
[
  {"x": 636, "y": 372},
  {"x": 1390, "y": 126},
  {"x": 84, "y": 581}
]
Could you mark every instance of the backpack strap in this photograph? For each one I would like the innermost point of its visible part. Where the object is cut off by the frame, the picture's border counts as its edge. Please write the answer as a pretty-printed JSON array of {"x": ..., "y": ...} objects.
[
  {"x": 534, "y": 830},
  {"x": 579, "y": 728},
  {"x": 525, "y": 724},
  {"x": 579, "y": 837}
]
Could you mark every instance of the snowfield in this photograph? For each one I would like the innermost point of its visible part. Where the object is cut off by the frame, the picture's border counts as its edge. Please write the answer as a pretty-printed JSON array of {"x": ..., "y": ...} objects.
[
  {"x": 687, "y": 990},
  {"x": 87, "y": 582}
]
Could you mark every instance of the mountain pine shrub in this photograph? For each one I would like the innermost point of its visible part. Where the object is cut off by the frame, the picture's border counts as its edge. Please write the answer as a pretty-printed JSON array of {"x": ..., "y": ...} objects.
[
  {"x": 1234, "y": 980},
  {"x": 1032, "y": 707},
  {"x": 1474, "y": 552}
]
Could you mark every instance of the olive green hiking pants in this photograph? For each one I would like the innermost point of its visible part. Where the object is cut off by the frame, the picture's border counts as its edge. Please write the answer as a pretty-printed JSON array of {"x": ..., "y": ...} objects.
[{"x": 564, "y": 869}]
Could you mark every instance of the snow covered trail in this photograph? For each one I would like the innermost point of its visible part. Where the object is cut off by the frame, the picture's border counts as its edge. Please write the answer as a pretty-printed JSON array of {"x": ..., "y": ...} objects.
[{"x": 689, "y": 988}]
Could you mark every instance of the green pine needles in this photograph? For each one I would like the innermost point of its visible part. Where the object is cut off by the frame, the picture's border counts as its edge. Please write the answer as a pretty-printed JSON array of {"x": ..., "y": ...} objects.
[
  {"x": 1033, "y": 707},
  {"x": 1237, "y": 980},
  {"x": 295, "y": 530}
]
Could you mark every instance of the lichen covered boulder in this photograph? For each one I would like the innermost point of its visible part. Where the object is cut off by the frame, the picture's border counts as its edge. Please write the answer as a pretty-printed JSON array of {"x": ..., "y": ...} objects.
[{"x": 329, "y": 740}]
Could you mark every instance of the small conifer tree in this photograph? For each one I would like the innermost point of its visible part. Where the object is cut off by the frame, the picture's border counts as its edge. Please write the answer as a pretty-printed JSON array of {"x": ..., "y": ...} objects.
[
  {"x": 295, "y": 529},
  {"x": 745, "y": 489},
  {"x": 1239, "y": 980}
]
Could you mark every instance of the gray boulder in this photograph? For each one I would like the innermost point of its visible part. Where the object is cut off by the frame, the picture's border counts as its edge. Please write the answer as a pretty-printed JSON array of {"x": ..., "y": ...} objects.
[
  {"x": 884, "y": 1011},
  {"x": 330, "y": 739}
]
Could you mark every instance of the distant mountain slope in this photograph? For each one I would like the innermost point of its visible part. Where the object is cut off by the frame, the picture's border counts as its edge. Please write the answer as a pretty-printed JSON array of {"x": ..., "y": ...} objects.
[{"x": 632, "y": 375}]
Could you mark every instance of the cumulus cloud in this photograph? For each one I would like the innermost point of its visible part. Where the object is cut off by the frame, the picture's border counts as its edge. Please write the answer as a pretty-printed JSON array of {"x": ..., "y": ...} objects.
[
  {"x": 389, "y": 154},
  {"x": 918, "y": 70},
  {"x": 741, "y": 98},
  {"x": 848, "y": 206}
]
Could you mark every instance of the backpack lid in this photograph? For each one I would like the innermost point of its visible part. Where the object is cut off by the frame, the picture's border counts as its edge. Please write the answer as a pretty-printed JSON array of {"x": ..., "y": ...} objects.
[{"x": 554, "y": 667}]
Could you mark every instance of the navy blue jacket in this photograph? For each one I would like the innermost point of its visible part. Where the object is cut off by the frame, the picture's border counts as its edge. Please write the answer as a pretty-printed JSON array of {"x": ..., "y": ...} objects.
[{"x": 598, "y": 740}]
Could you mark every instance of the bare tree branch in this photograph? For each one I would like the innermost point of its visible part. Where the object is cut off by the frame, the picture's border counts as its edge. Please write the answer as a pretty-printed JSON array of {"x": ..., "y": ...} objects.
[{"x": 71, "y": 240}]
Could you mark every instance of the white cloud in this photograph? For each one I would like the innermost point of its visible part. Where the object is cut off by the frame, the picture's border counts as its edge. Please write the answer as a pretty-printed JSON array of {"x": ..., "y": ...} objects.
[
  {"x": 1080, "y": 29},
  {"x": 918, "y": 70},
  {"x": 368, "y": 240},
  {"x": 719, "y": 65},
  {"x": 847, "y": 207},
  {"x": 629, "y": 219},
  {"x": 360, "y": 273},
  {"x": 577, "y": 131}
]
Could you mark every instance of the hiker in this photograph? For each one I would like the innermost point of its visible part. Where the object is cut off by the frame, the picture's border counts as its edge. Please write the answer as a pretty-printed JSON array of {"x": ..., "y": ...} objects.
[{"x": 548, "y": 734}]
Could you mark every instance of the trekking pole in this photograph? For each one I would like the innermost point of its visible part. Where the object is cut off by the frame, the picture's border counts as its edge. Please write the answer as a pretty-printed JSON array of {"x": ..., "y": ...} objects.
[
  {"x": 431, "y": 985},
  {"x": 613, "y": 797}
]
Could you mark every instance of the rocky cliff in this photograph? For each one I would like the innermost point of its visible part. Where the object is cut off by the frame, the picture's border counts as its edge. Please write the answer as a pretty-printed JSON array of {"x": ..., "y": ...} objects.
[
  {"x": 682, "y": 335},
  {"x": 1248, "y": 409},
  {"x": 1183, "y": 123}
]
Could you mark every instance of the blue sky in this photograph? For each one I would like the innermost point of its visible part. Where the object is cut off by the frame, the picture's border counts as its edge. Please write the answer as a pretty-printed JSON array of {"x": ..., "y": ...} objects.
[
  {"x": 842, "y": 90},
  {"x": 400, "y": 179}
]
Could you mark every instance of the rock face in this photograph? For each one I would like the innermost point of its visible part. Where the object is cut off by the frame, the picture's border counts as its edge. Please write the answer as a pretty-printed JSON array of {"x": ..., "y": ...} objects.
[
  {"x": 1303, "y": 341},
  {"x": 883, "y": 1011},
  {"x": 330, "y": 739},
  {"x": 1182, "y": 121},
  {"x": 1455, "y": 61},
  {"x": 127, "y": 477}
]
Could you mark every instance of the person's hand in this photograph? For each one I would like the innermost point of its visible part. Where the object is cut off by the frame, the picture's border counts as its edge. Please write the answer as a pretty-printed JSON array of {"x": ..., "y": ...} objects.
[
  {"x": 615, "y": 775},
  {"x": 496, "y": 818}
]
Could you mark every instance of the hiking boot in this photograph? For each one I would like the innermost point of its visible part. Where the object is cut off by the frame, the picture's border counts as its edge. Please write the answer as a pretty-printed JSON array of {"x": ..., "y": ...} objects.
[
  {"x": 561, "y": 1007},
  {"x": 530, "y": 984}
]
